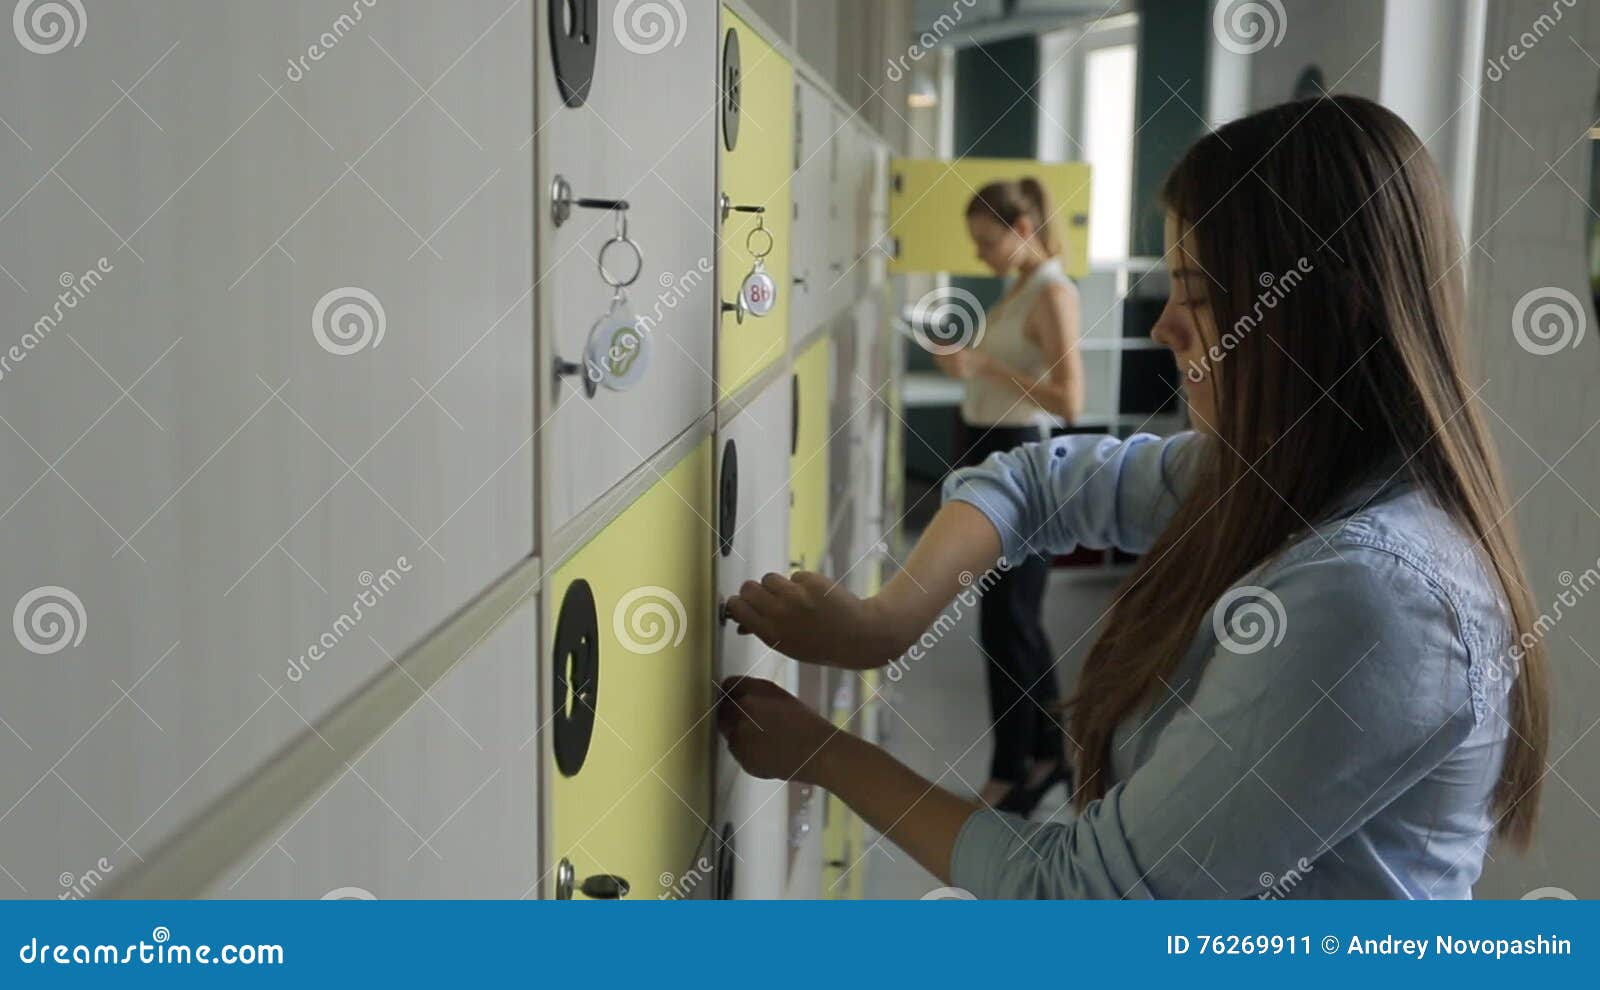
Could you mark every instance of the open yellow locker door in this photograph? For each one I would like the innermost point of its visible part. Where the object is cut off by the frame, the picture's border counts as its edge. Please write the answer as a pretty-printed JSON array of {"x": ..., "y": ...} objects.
[{"x": 928, "y": 204}]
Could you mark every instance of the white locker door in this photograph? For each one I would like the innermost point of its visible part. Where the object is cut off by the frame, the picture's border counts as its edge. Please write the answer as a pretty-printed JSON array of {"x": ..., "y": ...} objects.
[
  {"x": 445, "y": 805},
  {"x": 284, "y": 426},
  {"x": 753, "y": 465},
  {"x": 814, "y": 209},
  {"x": 645, "y": 133}
]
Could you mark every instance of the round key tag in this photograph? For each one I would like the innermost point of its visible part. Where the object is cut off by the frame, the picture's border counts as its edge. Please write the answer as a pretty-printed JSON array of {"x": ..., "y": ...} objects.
[
  {"x": 759, "y": 290},
  {"x": 618, "y": 354}
]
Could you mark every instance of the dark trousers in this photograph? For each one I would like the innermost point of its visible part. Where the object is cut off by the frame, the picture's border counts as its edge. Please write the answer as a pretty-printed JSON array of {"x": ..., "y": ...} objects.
[{"x": 1023, "y": 696}]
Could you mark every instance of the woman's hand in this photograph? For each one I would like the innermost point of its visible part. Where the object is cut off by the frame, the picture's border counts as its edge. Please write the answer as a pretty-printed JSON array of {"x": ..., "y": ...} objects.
[
  {"x": 770, "y": 732},
  {"x": 965, "y": 364},
  {"x": 816, "y": 620}
]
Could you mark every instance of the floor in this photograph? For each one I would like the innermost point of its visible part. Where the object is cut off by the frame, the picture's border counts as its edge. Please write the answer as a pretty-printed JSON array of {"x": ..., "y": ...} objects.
[{"x": 936, "y": 716}]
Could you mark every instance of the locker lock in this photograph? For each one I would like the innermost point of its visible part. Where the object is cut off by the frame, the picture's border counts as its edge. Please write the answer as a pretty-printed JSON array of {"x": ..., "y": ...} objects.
[
  {"x": 732, "y": 89},
  {"x": 575, "y": 669},
  {"x": 569, "y": 369},
  {"x": 728, "y": 497},
  {"x": 562, "y": 200},
  {"x": 737, "y": 308},
  {"x": 573, "y": 42},
  {"x": 726, "y": 206},
  {"x": 600, "y": 887}
]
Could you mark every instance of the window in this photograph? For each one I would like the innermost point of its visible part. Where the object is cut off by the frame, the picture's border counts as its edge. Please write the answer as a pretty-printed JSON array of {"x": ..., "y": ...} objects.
[{"x": 1108, "y": 89}]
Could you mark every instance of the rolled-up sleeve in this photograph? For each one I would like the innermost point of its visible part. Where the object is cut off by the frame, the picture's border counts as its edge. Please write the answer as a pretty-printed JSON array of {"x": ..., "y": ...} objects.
[
  {"x": 1080, "y": 491},
  {"x": 1336, "y": 684}
]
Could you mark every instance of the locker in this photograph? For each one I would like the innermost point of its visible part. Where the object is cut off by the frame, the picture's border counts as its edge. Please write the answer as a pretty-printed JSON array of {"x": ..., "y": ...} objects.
[
  {"x": 928, "y": 201},
  {"x": 816, "y": 210},
  {"x": 456, "y": 771},
  {"x": 753, "y": 526},
  {"x": 756, "y": 142},
  {"x": 808, "y": 519},
  {"x": 321, "y": 317},
  {"x": 659, "y": 157},
  {"x": 628, "y": 657}
]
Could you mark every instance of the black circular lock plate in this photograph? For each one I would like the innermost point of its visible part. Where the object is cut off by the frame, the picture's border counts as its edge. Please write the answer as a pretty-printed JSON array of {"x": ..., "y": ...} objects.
[
  {"x": 573, "y": 43},
  {"x": 732, "y": 84},
  {"x": 794, "y": 415},
  {"x": 728, "y": 498},
  {"x": 576, "y": 665}
]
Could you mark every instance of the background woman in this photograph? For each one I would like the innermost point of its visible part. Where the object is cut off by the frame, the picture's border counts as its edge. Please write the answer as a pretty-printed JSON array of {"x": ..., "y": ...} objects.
[{"x": 1023, "y": 377}]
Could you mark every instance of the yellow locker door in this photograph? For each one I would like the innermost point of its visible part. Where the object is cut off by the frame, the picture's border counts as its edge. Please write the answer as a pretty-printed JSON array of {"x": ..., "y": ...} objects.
[
  {"x": 808, "y": 465},
  {"x": 757, "y": 143},
  {"x": 928, "y": 205},
  {"x": 629, "y": 641}
]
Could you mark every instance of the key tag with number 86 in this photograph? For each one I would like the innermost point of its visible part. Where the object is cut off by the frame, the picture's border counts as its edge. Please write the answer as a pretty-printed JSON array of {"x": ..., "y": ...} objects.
[
  {"x": 759, "y": 290},
  {"x": 618, "y": 352}
]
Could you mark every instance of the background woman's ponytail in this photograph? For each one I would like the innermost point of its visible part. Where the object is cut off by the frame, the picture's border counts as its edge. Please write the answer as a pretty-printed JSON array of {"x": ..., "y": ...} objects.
[{"x": 1010, "y": 200}]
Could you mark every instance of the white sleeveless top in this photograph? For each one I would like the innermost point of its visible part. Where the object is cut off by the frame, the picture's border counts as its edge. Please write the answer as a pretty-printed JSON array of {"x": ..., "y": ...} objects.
[{"x": 989, "y": 403}]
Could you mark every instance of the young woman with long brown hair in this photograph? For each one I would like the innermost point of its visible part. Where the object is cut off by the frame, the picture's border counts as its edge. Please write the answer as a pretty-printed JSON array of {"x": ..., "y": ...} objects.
[
  {"x": 1023, "y": 379},
  {"x": 1311, "y": 671}
]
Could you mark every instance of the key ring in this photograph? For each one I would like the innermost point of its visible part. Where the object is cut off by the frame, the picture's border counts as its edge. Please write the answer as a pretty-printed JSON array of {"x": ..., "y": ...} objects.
[
  {"x": 638, "y": 257},
  {"x": 760, "y": 228}
]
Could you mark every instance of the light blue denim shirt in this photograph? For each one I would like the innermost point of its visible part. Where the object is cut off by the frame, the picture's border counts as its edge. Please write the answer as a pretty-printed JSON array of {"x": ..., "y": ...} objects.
[{"x": 1336, "y": 730}]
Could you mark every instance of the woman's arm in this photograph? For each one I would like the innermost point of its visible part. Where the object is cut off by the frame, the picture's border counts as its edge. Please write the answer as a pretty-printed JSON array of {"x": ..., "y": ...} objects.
[
  {"x": 1284, "y": 748},
  {"x": 1041, "y": 498},
  {"x": 1054, "y": 322}
]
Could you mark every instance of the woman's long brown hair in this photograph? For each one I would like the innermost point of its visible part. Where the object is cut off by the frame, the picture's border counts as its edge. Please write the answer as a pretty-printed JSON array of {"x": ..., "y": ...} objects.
[{"x": 1342, "y": 193}]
